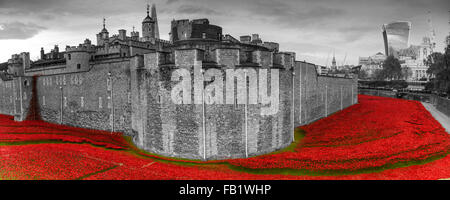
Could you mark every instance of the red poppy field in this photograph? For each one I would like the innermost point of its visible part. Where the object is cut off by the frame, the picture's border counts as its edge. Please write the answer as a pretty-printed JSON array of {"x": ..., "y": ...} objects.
[{"x": 379, "y": 138}]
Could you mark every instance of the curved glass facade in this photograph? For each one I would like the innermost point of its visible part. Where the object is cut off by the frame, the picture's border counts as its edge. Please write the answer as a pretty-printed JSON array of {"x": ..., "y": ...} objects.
[{"x": 396, "y": 36}]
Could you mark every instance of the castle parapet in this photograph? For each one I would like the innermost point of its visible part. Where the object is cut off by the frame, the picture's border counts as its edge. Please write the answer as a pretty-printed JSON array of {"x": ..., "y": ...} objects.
[
  {"x": 227, "y": 56},
  {"x": 286, "y": 59},
  {"x": 263, "y": 58},
  {"x": 188, "y": 57},
  {"x": 79, "y": 48},
  {"x": 18, "y": 63},
  {"x": 152, "y": 61}
]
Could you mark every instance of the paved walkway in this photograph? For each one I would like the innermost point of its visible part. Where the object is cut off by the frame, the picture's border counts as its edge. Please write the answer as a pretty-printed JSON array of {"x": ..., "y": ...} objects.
[{"x": 439, "y": 116}]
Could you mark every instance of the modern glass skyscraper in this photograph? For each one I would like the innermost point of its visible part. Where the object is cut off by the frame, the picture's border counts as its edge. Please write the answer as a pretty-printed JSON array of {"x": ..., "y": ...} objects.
[{"x": 396, "y": 36}]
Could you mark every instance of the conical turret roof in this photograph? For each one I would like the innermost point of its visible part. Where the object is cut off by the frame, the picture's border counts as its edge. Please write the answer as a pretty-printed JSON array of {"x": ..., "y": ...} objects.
[{"x": 148, "y": 19}]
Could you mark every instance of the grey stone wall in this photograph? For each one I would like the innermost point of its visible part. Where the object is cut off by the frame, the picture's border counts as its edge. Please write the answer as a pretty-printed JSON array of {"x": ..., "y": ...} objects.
[
  {"x": 7, "y": 97},
  {"x": 15, "y": 97},
  {"x": 177, "y": 129},
  {"x": 87, "y": 99},
  {"x": 136, "y": 99},
  {"x": 320, "y": 96}
]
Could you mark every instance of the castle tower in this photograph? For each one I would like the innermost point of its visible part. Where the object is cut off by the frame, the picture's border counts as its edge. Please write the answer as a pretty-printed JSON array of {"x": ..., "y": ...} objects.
[
  {"x": 148, "y": 27},
  {"x": 134, "y": 35},
  {"x": 103, "y": 35}
]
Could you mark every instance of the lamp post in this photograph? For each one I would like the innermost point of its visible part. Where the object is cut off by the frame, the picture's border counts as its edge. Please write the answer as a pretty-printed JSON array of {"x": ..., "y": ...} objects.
[
  {"x": 62, "y": 105},
  {"x": 14, "y": 98},
  {"x": 203, "y": 114},
  {"x": 112, "y": 101},
  {"x": 246, "y": 114},
  {"x": 326, "y": 100},
  {"x": 21, "y": 98},
  {"x": 300, "y": 95},
  {"x": 293, "y": 104},
  {"x": 341, "y": 99}
]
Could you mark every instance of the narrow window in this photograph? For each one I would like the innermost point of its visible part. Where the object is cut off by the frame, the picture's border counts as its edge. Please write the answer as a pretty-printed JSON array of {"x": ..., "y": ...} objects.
[
  {"x": 108, "y": 84},
  {"x": 78, "y": 66},
  {"x": 100, "y": 102},
  {"x": 69, "y": 56},
  {"x": 82, "y": 102},
  {"x": 65, "y": 101},
  {"x": 109, "y": 102},
  {"x": 43, "y": 100}
]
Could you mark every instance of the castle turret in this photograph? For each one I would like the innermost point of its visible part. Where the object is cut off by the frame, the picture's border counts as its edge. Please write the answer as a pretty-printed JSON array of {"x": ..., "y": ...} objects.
[
  {"x": 122, "y": 34},
  {"x": 134, "y": 35},
  {"x": 103, "y": 36},
  {"x": 77, "y": 58},
  {"x": 256, "y": 39},
  {"x": 18, "y": 63},
  {"x": 197, "y": 29},
  {"x": 148, "y": 27},
  {"x": 87, "y": 41}
]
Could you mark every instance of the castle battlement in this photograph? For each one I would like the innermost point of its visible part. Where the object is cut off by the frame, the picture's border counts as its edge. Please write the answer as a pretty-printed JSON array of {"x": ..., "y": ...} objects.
[
  {"x": 167, "y": 42},
  {"x": 224, "y": 57},
  {"x": 79, "y": 48}
]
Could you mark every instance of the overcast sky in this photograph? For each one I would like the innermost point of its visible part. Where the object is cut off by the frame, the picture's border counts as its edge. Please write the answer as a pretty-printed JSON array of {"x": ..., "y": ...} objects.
[{"x": 314, "y": 29}]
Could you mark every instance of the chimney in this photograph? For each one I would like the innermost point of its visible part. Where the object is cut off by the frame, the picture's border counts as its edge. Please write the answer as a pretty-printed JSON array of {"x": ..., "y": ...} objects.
[
  {"x": 42, "y": 53},
  {"x": 122, "y": 34},
  {"x": 25, "y": 60},
  {"x": 245, "y": 39},
  {"x": 256, "y": 39}
]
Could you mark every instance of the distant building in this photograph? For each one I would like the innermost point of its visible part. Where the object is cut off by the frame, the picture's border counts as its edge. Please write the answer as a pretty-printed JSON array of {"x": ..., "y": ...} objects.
[
  {"x": 413, "y": 60},
  {"x": 396, "y": 36},
  {"x": 411, "y": 57},
  {"x": 333, "y": 64},
  {"x": 372, "y": 63},
  {"x": 322, "y": 70},
  {"x": 447, "y": 40}
]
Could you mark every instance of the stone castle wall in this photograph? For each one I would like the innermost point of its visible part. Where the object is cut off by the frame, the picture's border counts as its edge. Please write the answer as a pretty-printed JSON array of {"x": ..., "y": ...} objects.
[
  {"x": 320, "y": 96},
  {"x": 134, "y": 96}
]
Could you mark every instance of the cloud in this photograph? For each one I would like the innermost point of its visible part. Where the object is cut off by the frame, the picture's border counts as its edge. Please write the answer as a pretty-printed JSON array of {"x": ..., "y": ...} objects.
[
  {"x": 191, "y": 9},
  {"x": 355, "y": 32},
  {"x": 293, "y": 14},
  {"x": 68, "y": 8},
  {"x": 19, "y": 30},
  {"x": 172, "y": 1}
]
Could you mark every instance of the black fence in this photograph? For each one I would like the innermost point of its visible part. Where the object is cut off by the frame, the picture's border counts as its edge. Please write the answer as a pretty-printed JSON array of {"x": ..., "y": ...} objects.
[{"x": 441, "y": 103}]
